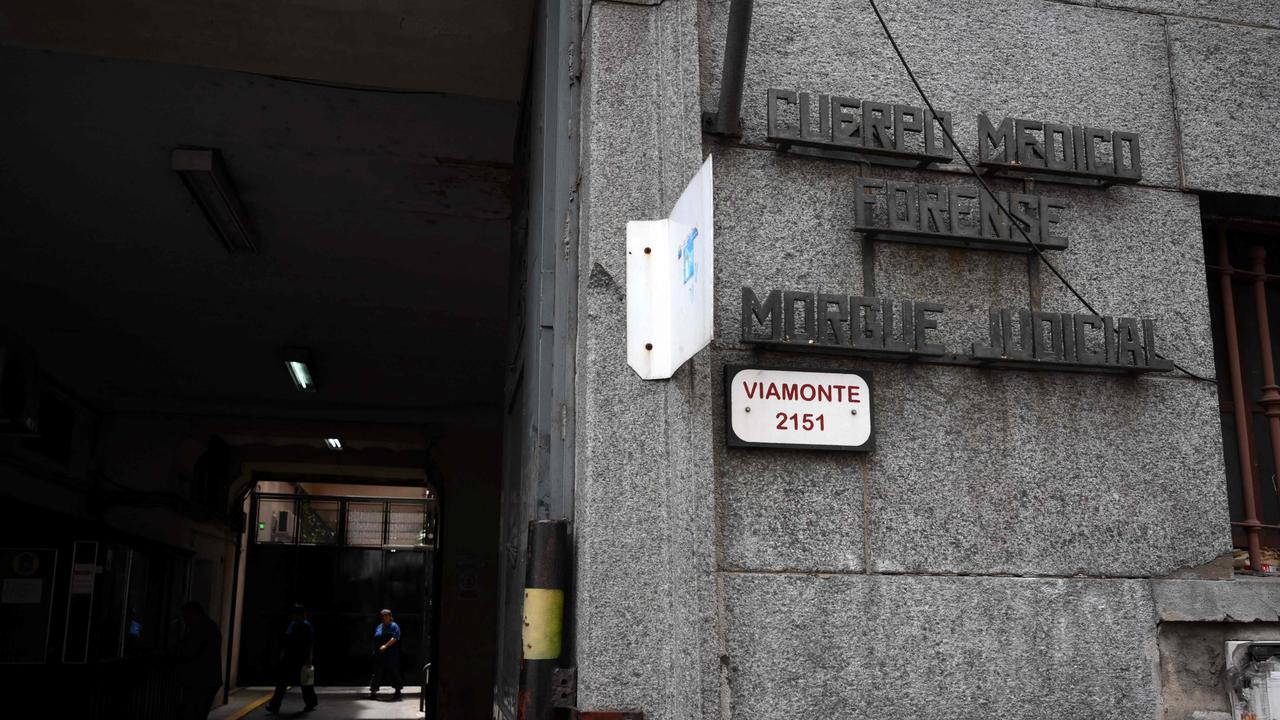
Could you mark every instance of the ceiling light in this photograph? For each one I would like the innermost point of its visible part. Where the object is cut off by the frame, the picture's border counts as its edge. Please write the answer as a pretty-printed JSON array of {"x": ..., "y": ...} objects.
[
  {"x": 298, "y": 362},
  {"x": 301, "y": 376},
  {"x": 333, "y": 443},
  {"x": 205, "y": 176}
]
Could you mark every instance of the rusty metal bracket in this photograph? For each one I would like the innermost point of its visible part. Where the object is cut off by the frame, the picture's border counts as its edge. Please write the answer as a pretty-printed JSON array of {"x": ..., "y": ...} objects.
[
  {"x": 727, "y": 119},
  {"x": 564, "y": 694},
  {"x": 564, "y": 687}
]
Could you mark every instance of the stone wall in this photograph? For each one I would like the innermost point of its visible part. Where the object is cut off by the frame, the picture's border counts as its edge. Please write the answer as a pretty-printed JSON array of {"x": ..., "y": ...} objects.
[
  {"x": 643, "y": 493},
  {"x": 992, "y": 556}
]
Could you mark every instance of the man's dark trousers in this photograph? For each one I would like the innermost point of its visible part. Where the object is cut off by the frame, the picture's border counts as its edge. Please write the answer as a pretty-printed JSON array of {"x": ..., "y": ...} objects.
[
  {"x": 386, "y": 670},
  {"x": 289, "y": 673}
]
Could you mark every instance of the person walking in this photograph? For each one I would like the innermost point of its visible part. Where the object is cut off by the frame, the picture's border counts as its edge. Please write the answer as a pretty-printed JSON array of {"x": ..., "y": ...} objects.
[
  {"x": 386, "y": 656},
  {"x": 299, "y": 643},
  {"x": 198, "y": 662}
]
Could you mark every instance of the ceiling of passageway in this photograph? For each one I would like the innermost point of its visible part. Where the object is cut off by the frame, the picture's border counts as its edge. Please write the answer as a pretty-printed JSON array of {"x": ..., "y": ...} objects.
[
  {"x": 383, "y": 219},
  {"x": 468, "y": 47}
]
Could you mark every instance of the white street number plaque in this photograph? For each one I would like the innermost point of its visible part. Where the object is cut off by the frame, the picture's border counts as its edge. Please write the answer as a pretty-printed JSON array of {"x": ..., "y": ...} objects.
[{"x": 798, "y": 409}]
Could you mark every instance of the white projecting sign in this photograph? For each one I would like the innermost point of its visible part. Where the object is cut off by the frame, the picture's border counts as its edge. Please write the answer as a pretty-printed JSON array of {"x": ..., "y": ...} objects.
[
  {"x": 798, "y": 409},
  {"x": 669, "y": 276}
]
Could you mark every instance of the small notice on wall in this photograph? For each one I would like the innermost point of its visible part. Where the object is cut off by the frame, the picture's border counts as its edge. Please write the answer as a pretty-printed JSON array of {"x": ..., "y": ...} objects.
[
  {"x": 82, "y": 575},
  {"x": 21, "y": 591},
  {"x": 798, "y": 409},
  {"x": 26, "y": 604}
]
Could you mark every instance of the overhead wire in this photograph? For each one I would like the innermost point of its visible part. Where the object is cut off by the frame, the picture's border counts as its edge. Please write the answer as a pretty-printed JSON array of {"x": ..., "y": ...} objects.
[
  {"x": 1014, "y": 222},
  {"x": 344, "y": 86}
]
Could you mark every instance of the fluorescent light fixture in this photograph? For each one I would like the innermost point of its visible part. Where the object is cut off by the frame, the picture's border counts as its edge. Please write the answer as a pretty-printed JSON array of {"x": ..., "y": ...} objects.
[
  {"x": 205, "y": 176},
  {"x": 301, "y": 375},
  {"x": 333, "y": 443},
  {"x": 298, "y": 362}
]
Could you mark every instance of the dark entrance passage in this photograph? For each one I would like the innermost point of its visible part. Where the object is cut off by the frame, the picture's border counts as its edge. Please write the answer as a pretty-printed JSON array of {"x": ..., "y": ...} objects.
[
  {"x": 344, "y": 558},
  {"x": 359, "y": 286}
]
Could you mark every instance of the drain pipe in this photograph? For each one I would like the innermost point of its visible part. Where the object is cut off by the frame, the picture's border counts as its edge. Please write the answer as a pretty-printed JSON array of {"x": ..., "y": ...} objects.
[{"x": 728, "y": 117}]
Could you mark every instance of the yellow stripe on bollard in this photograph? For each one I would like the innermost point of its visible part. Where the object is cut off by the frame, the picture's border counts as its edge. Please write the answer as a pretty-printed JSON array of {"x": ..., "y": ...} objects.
[{"x": 543, "y": 623}]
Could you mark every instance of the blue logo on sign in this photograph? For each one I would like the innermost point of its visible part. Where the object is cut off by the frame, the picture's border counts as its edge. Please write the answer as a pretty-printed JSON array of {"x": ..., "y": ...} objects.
[{"x": 686, "y": 255}]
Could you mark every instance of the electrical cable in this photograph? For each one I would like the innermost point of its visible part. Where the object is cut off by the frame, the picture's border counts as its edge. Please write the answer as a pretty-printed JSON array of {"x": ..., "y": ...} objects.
[
  {"x": 1014, "y": 222},
  {"x": 344, "y": 86}
]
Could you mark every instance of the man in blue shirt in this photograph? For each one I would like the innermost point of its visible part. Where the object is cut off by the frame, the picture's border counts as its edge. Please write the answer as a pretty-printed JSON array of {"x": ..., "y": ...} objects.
[
  {"x": 386, "y": 656},
  {"x": 299, "y": 641}
]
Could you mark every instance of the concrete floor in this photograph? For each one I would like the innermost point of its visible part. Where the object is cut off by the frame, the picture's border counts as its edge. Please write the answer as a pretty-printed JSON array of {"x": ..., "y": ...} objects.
[{"x": 336, "y": 703}]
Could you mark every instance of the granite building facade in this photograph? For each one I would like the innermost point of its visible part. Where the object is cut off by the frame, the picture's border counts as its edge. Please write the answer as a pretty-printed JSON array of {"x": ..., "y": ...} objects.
[
  {"x": 1019, "y": 544},
  {"x": 1064, "y": 504}
]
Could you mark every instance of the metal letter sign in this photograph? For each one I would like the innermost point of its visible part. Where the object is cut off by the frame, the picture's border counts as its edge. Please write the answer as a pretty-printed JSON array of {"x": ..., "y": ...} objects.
[
  {"x": 669, "y": 283},
  {"x": 884, "y": 329},
  {"x": 798, "y": 409}
]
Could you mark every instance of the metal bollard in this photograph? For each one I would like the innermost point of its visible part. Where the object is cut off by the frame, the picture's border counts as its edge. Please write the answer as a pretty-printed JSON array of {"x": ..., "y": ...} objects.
[
  {"x": 546, "y": 578},
  {"x": 422, "y": 697}
]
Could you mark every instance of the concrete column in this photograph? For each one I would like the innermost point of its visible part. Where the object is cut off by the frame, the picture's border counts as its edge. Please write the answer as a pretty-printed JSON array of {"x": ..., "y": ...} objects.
[{"x": 644, "y": 496}]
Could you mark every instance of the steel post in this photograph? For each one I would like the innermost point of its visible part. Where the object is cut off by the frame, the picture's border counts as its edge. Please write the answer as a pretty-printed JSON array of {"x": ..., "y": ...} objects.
[{"x": 546, "y": 580}]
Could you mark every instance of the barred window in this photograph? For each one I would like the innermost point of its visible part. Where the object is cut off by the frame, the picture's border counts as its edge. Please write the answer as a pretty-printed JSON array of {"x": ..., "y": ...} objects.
[
  {"x": 358, "y": 522},
  {"x": 1243, "y": 261}
]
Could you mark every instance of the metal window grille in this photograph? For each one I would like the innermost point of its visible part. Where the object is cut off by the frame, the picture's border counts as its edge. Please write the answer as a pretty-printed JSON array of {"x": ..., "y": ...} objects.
[
  {"x": 1244, "y": 298},
  {"x": 406, "y": 524},
  {"x": 365, "y": 523},
  {"x": 359, "y": 522}
]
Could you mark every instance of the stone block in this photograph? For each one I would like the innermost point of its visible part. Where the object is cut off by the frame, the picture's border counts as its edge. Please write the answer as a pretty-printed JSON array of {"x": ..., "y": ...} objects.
[
  {"x": 966, "y": 282},
  {"x": 1138, "y": 252},
  {"x": 1224, "y": 83},
  {"x": 781, "y": 222},
  {"x": 1045, "y": 473},
  {"x": 1241, "y": 600},
  {"x": 935, "y": 648},
  {"x": 1049, "y": 61},
  {"x": 788, "y": 510},
  {"x": 1250, "y": 12}
]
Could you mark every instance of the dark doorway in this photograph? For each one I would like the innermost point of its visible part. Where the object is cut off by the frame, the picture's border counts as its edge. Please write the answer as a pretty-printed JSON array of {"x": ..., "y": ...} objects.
[
  {"x": 377, "y": 188},
  {"x": 345, "y": 559}
]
